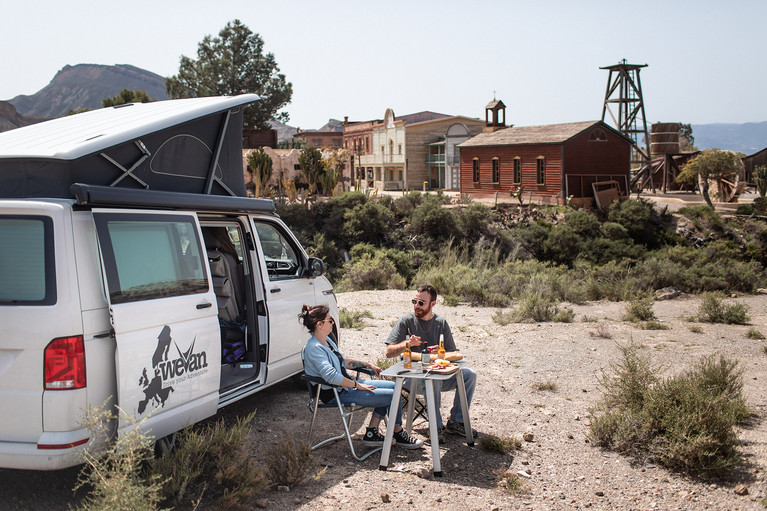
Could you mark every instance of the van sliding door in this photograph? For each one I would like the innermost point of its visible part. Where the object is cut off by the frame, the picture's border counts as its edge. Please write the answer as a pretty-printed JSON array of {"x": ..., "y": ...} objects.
[{"x": 163, "y": 312}]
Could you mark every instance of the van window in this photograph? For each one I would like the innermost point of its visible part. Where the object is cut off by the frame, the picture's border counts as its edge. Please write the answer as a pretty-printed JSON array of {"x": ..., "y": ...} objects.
[
  {"x": 150, "y": 256},
  {"x": 27, "y": 269},
  {"x": 282, "y": 260}
]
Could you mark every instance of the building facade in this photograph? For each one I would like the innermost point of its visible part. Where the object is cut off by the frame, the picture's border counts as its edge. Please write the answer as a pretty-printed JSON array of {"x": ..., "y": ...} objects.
[
  {"x": 411, "y": 152},
  {"x": 551, "y": 162}
]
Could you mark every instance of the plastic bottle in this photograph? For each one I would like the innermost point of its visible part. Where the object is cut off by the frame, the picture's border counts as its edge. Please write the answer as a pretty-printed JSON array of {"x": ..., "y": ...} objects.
[
  {"x": 441, "y": 350},
  {"x": 407, "y": 358}
]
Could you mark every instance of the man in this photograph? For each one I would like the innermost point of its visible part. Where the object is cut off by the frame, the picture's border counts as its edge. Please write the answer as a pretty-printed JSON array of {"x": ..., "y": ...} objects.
[{"x": 422, "y": 328}]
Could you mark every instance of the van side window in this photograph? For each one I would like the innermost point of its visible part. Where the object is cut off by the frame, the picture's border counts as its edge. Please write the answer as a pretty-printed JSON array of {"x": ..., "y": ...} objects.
[
  {"x": 282, "y": 259},
  {"x": 150, "y": 256},
  {"x": 27, "y": 269}
]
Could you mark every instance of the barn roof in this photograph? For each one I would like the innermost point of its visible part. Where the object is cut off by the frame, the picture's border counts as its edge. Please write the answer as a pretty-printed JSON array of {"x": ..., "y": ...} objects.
[{"x": 525, "y": 135}]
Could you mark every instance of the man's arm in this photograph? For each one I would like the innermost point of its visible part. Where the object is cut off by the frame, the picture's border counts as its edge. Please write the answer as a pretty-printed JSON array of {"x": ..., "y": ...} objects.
[{"x": 395, "y": 346}]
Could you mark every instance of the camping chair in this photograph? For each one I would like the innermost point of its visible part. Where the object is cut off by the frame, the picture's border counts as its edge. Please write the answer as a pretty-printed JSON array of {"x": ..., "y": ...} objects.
[
  {"x": 346, "y": 411},
  {"x": 419, "y": 407}
]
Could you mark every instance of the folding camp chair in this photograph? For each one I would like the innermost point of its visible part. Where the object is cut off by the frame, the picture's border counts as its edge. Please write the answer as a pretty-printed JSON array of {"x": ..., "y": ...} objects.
[
  {"x": 419, "y": 407},
  {"x": 346, "y": 411}
]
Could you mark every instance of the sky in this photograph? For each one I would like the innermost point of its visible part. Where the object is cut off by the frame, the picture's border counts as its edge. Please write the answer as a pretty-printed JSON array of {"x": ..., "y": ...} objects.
[{"x": 541, "y": 58}]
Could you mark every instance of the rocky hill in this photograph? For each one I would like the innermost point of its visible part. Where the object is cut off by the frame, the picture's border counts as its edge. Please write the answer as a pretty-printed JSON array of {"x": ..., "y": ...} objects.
[
  {"x": 11, "y": 119},
  {"x": 84, "y": 86}
]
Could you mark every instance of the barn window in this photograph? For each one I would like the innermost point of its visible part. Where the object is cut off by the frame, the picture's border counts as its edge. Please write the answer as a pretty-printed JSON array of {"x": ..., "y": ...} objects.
[
  {"x": 475, "y": 168},
  {"x": 541, "y": 170},
  {"x": 597, "y": 135},
  {"x": 517, "y": 170},
  {"x": 496, "y": 170}
]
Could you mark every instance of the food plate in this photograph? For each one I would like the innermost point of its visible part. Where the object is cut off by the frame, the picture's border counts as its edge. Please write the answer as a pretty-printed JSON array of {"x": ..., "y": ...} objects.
[{"x": 439, "y": 369}]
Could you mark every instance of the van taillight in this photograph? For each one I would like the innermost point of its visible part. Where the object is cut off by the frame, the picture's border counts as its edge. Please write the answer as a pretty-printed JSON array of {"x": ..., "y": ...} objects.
[{"x": 65, "y": 363}]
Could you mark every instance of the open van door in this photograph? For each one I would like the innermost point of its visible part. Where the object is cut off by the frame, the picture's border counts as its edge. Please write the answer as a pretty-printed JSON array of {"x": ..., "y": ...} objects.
[{"x": 164, "y": 316}]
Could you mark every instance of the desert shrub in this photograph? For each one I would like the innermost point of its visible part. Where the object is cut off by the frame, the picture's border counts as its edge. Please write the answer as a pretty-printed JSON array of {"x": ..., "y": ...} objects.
[
  {"x": 212, "y": 462},
  {"x": 370, "y": 272},
  {"x": 602, "y": 331},
  {"x": 370, "y": 222},
  {"x": 510, "y": 482},
  {"x": 615, "y": 231},
  {"x": 353, "y": 319},
  {"x": 545, "y": 386},
  {"x": 703, "y": 217},
  {"x": 536, "y": 308},
  {"x": 290, "y": 462},
  {"x": 760, "y": 205},
  {"x": 564, "y": 315},
  {"x": 640, "y": 309},
  {"x": 114, "y": 473},
  {"x": 431, "y": 224},
  {"x": 653, "y": 325},
  {"x": 602, "y": 250},
  {"x": 638, "y": 218},
  {"x": 474, "y": 221},
  {"x": 685, "y": 422},
  {"x": 503, "y": 318},
  {"x": 583, "y": 223},
  {"x": 562, "y": 245},
  {"x": 713, "y": 310},
  {"x": 755, "y": 334},
  {"x": 745, "y": 209},
  {"x": 330, "y": 216},
  {"x": 501, "y": 445}
]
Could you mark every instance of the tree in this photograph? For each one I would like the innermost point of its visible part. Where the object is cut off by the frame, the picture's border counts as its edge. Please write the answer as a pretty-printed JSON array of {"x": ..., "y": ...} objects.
[
  {"x": 230, "y": 64},
  {"x": 711, "y": 165},
  {"x": 260, "y": 169},
  {"x": 686, "y": 140},
  {"x": 312, "y": 166},
  {"x": 127, "y": 96},
  {"x": 335, "y": 159}
]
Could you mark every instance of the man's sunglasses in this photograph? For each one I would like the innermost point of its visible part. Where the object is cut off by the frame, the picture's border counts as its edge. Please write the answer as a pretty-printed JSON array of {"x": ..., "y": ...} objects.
[{"x": 419, "y": 302}]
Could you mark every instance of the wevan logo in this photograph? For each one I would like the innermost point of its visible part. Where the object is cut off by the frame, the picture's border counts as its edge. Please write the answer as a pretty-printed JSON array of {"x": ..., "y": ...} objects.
[{"x": 168, "y": 372}]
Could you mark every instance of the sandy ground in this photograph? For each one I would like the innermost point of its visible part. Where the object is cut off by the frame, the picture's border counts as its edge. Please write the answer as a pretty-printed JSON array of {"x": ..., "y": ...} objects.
[{"x": 565, "y": 470}]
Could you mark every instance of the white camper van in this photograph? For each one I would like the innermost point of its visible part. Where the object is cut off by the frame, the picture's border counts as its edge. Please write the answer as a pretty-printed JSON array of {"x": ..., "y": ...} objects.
[{"x": 135, "y": 271}]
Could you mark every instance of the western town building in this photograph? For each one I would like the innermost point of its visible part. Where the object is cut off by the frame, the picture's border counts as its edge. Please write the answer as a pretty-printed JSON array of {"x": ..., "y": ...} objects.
[{"x": 548, "y": 163}]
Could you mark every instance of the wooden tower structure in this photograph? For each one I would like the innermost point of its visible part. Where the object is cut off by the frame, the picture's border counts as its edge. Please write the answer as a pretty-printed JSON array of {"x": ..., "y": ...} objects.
[{"x": 624, "y": 91}]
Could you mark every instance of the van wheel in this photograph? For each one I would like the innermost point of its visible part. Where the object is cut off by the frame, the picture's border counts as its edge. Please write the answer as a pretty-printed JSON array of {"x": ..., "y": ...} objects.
[{"x": 164, "y": 445}]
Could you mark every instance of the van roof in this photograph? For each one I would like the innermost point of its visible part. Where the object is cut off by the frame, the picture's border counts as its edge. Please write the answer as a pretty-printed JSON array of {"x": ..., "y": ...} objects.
[{"x": 74, "y": 136}]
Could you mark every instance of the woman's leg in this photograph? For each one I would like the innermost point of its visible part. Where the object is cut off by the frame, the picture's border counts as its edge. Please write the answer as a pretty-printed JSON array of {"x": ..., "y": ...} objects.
[{"x": 379, "y": 400}]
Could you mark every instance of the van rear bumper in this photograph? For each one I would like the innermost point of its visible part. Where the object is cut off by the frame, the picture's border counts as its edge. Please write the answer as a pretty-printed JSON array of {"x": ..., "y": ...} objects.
[{"x": 28, "y": 456}]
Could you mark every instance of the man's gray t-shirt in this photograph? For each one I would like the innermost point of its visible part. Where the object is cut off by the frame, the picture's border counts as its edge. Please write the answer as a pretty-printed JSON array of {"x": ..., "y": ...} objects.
[{"x": 428, "y": 331}]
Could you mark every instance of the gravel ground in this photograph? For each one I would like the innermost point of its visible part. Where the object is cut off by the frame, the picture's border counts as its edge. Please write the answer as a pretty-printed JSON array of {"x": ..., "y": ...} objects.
[{"x": 565, "y": 471}]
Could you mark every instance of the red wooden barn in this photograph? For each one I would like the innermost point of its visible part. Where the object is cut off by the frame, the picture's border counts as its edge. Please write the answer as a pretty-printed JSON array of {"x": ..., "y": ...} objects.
[{"x": 550, "y": 162}]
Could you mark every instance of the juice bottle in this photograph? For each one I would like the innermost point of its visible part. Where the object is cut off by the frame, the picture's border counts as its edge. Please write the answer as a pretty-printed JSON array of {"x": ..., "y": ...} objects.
[
  {"x": 407, "y": 358},
  {"x": 441, "y": 350}
]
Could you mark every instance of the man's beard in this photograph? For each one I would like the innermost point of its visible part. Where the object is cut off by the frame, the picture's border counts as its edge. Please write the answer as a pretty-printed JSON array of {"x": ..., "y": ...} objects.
[{"x": 419, "y": 313}]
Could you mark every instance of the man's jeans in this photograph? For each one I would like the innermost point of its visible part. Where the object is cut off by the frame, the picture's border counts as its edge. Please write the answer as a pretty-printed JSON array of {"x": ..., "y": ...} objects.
[
  {"x": 380, "y": 399},
  {"x": 469, "y": 380}
]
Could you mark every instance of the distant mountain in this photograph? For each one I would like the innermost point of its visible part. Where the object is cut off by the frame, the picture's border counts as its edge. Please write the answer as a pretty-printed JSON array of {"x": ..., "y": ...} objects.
[
  {"x": 284, "y": 132},
  {"x": 84, "y": 86},
  {"x": 11, "y": 119},
  {"x": 747, "y": 138}
]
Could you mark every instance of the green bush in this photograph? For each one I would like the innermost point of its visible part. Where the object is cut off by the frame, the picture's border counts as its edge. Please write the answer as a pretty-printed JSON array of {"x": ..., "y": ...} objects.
[
  {"x": 213, "y": 462},
  {"x": 371, "y": 272},
  {"x": 755, "y": 334},
  {"x": 686, "y": 422},
  {"x": 114, "y": 472},
  {"x": 353, "y": 319},
  {"x": 713, "y": 310},
  {"x": 638, "y": 218},
  {"x": 501, "y": 445},
  {"x": 640, "y": 309},
  {"x": 290, "y": 462}
]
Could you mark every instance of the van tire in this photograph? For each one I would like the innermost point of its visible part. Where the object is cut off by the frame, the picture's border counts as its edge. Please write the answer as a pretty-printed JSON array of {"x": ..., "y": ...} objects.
[{"x": 164, "y": 445}]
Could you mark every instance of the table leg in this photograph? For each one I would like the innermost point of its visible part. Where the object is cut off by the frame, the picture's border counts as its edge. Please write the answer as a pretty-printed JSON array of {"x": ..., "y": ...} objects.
[
  {"x": 390, "y": 425},
  {"x": 464, "y": 407},
  {"x": 433, "y": 434},
  {"x": 411, "y": 405}
]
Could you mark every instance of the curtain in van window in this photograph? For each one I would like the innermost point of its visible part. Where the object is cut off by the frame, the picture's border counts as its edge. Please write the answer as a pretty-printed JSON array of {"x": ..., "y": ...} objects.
[
  {"x": 147, "y": 258},
  {"x": 25, "y": 246}
]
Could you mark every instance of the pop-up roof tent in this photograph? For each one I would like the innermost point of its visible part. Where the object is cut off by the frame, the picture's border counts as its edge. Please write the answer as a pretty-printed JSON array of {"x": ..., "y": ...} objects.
[{"x": 183, "y": 145}]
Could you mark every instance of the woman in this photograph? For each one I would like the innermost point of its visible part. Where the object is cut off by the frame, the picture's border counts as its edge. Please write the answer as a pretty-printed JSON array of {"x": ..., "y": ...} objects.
[{"x": 322, "y": 359}]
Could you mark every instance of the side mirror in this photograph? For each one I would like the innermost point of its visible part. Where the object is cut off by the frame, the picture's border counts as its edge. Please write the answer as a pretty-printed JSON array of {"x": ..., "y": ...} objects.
[{"x": 316, "y": 267}]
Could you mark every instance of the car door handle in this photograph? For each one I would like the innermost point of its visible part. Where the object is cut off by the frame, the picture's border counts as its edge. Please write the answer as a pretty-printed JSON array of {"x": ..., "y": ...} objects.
[
  {"x": 204, "y": 305},
  {"x": 275, "y": 290}
]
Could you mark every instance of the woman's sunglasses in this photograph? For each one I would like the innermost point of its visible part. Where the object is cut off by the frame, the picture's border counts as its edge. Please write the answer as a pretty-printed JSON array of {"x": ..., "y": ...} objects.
[{"x": 419, "y": 302}]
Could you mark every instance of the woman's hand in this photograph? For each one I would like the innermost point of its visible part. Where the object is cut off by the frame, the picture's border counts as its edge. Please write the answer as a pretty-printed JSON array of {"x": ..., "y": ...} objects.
[
  {"x": 376, "y": 370},
  {"x": 363, "y": 386}
]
